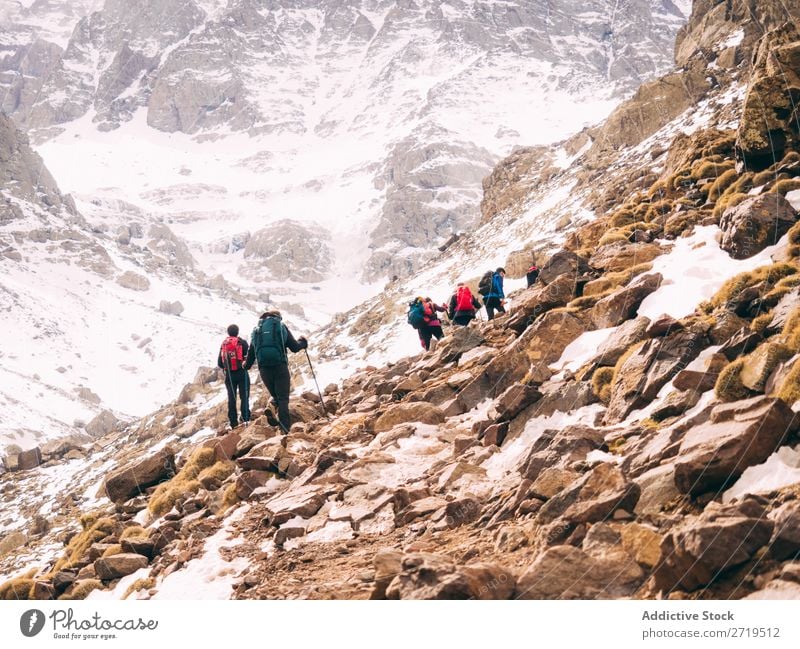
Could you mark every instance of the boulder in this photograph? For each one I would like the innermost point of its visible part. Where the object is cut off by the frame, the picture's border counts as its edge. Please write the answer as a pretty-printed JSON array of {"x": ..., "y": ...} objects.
[
  {"x": 133, "y": 281},
  {"x": 616, "y": 257},
  {"x": 560, "y": 396},
  {"x": 726, "y": 325},
  {"x": 593, "y": 497},
  {"x": 701, "y": 380},
  {"x": 170, "y": 308},
  {"x": 134, "y": 479},
  {"x": 303, "y": 501},
  {"x": 514, "y": 400},
  {"x": 563, "y": 263},
  {"x": 29, "y": 459},
  {"x": 755, "y": 223},
  {"x": 623, "y": 304},
  {"x": 643, "y": 543},
  {"x": 224, "y": 446},
  {"x": 675, "y": 404},
  {"x": 785, "y": 541},
  {"x": 102, "y": 424},
  {"x": 248, "y": 481},
  {"x": 545, "y": 341},
  {"x": 460, "y": 341},
  {"x": 566, "y": 572},
  {"x": 627, "y": 334},
  {"x": 388, "y": 564},
  {"x": 462, "y": 511},
  {"x": 119, "y": 565},
  {"x": 648, "y": 369},
  {"x": 539, "y": 299},
  {"x": 265, "y": 456},
  {"x": 407, "y": 412},
  {"x": 742, "y": 342},
  {"x": 736, "y": 436},
  {"x": 559, "y": 448},
  {"x": 552, "y": 481},
  {"x": 780, "y": 314},
  {"x": 758, "y": 365},
  {"x": 431, "y": 577},
  {"x": 421, "y": 508},
  {"x": 663, "y": 325},
  {"x": 700, "y": 549}
]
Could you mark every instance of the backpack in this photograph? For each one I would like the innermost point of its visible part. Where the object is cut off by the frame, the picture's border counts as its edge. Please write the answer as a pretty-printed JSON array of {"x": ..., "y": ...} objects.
[
  {"x": 232, "y": 353},
  {"x": 270, "y": 342},
  {"x": 485, "y": 285},
  {"x": 416, "y": 314},
  {"x": 464, "y": 299},
  {"x": 532, "y": 275}
]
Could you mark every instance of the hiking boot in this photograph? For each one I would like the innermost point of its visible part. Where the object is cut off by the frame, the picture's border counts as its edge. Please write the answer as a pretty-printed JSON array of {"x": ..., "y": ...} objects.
[
  {"x": 434, "y": 342},
  {"x": 272, "y": 420}
]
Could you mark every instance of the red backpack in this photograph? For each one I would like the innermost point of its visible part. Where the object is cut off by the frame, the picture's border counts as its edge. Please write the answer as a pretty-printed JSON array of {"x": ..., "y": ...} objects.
[
  {"x": 464, "y": 299},
  {"x": 231, "y": 352}
]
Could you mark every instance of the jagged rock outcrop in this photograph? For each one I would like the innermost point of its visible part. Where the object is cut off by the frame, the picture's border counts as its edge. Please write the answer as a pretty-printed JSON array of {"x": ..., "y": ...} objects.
[
  {"x": 754, "y": 224},
  {"x": 288, "y": 250}
]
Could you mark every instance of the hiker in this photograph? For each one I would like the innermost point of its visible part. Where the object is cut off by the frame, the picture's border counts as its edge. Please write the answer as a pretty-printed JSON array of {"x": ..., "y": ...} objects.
[
  {"x": 268, "y": 344},
  {"x": 432, "y": 326},
  {"x": 532, "y": 275},
  {"x": 231, "y": 357},
  {"x": 495, "y": 298},
  {"x": 463, "y": 305}
]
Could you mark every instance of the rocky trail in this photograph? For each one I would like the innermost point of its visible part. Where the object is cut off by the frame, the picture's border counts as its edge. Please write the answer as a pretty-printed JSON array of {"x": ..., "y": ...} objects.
[{"x": 627, "y": 430}]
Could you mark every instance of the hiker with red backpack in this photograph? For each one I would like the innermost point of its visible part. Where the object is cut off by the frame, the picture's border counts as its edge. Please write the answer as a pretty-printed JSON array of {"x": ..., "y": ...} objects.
[
  {"x": 463, "y": 305},
  {"x": 231, "y": 360}
]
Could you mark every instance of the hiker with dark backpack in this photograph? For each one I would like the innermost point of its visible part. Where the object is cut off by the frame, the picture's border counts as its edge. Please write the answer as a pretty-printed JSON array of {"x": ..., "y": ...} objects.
[
  {"x": 231, "y": 357},
  {"x": 463, "y": 305},
  {"x": 268, "y": 344},
  {"x": 532, "y": 275},
  {"x": 495, "y": 299}
]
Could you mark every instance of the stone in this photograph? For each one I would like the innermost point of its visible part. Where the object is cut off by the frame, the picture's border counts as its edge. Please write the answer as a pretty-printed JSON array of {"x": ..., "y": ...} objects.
[
  {"x": 701, "y": 380},
  {"x": 657, "y": 489},
  {"x": 736, "y": 436},
  {"x": 462, "y": 511},
  {"x": 778, "y": 375},
  {"x": 119, "y": 565},
  {"x": 701, "y": 548},
  {"x": 408, "y": 412},
  {"x": 675, "y": 404},
  {"x": 388, "y": 564},
  {"x": 12, "y": 541},
  {"x": 777, "y": 589},
  {"x": 629, "y": 333},
  {"x": 785, "y": 541},
  {"x": 559, "y": 396},
  {"x": 616, "y": 257},
  {"x": 248, "y": 481},
  {"x": 427, "y": 576},
  {"x": 648, "y": 369},
  {"x": 133, "y": 281},
  {"x": 742, "y": 342},
  {"x": 780, "y": 314},
  {"x": 29, "y": 459},
  {"x": 170, "y": 308},
  {"x": 551, "y": 481},
  {"x": 289, "y": 530},
  {"x": 565, "y": 572},
  {"x": 559, "y": 448},
  {"x": 144, "y": 547},
  {"x": 545, "y": 341},
  {"x": 303, "y": 501},
  {"x": 563, "y": 263},
  {"x": 726, "y": 324},
  {"x": 759, "y": 364},
  {"x": 514, "y": 400},
  {"x": 265, "y": 456},
  {"x": 43, "y": 590},
  {"x": 224, "y": 446},
  {"x": 539, "y": 299},
  {"x": 623, "y": 304},
  {"x": 661, "y": 326},
  {"x": 643, "y": 543},
  {"x": 495, "y": 434},
  {"x": 593, "y": 497},
  {"x": 755, "y": 223},
  {"x": 459, "y": 342},
  {"x": 421, "y": 508},
  {"x": 135, "y": 478},
  {"x": 63, "y": 579}
]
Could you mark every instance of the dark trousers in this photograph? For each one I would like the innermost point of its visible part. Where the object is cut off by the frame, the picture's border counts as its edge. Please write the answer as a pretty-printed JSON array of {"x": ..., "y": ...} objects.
[
  {"x": 238, "y": 381},
  {"x": 492, "y": 305},
  {"x": 279, "y": 384},
  {"x": 427, "y": 332},
  {"x": 463, "y": 320}
]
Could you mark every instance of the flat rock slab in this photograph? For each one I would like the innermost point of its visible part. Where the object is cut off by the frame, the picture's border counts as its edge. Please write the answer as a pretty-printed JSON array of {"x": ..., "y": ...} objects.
[{"x": 119, "y": 565}]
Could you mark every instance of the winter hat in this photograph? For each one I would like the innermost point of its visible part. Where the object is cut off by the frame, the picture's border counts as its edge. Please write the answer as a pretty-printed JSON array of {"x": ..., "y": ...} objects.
[{"x": 271, "y": 313}]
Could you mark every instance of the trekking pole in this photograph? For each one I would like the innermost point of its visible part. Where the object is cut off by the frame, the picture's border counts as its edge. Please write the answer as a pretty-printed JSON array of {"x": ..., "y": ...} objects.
[{"x": 319, "y": 392}]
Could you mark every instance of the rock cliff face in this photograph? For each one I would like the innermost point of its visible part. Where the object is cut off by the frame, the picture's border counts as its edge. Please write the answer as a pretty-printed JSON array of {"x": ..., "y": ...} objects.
[{"x": 443, "y": 90}]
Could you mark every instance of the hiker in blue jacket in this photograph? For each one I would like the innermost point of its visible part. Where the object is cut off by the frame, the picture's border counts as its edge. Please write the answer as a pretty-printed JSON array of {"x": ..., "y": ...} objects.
[{"x": 496, "y": 297}]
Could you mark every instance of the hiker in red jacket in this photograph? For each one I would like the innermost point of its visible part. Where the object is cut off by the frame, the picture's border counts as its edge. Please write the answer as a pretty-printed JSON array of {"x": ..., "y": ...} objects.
[
  {"x": 463, "y": 305},
  {"x": 231, "y": 358},
  {"x": 432, "y": 325}
]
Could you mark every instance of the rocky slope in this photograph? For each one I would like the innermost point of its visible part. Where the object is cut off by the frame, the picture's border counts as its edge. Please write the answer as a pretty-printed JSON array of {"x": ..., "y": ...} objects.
[{"x": 628, "y": 430}]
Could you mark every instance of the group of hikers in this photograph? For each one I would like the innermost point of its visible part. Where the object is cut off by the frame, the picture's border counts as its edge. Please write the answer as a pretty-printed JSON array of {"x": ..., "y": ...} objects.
[
  {"x": 271, "y": 338},
  {"x": 463, "y": 307}
]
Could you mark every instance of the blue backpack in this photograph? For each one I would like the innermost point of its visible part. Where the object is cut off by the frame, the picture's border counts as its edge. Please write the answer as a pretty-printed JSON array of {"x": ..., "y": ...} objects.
[{"x": 416, "y": 314}]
